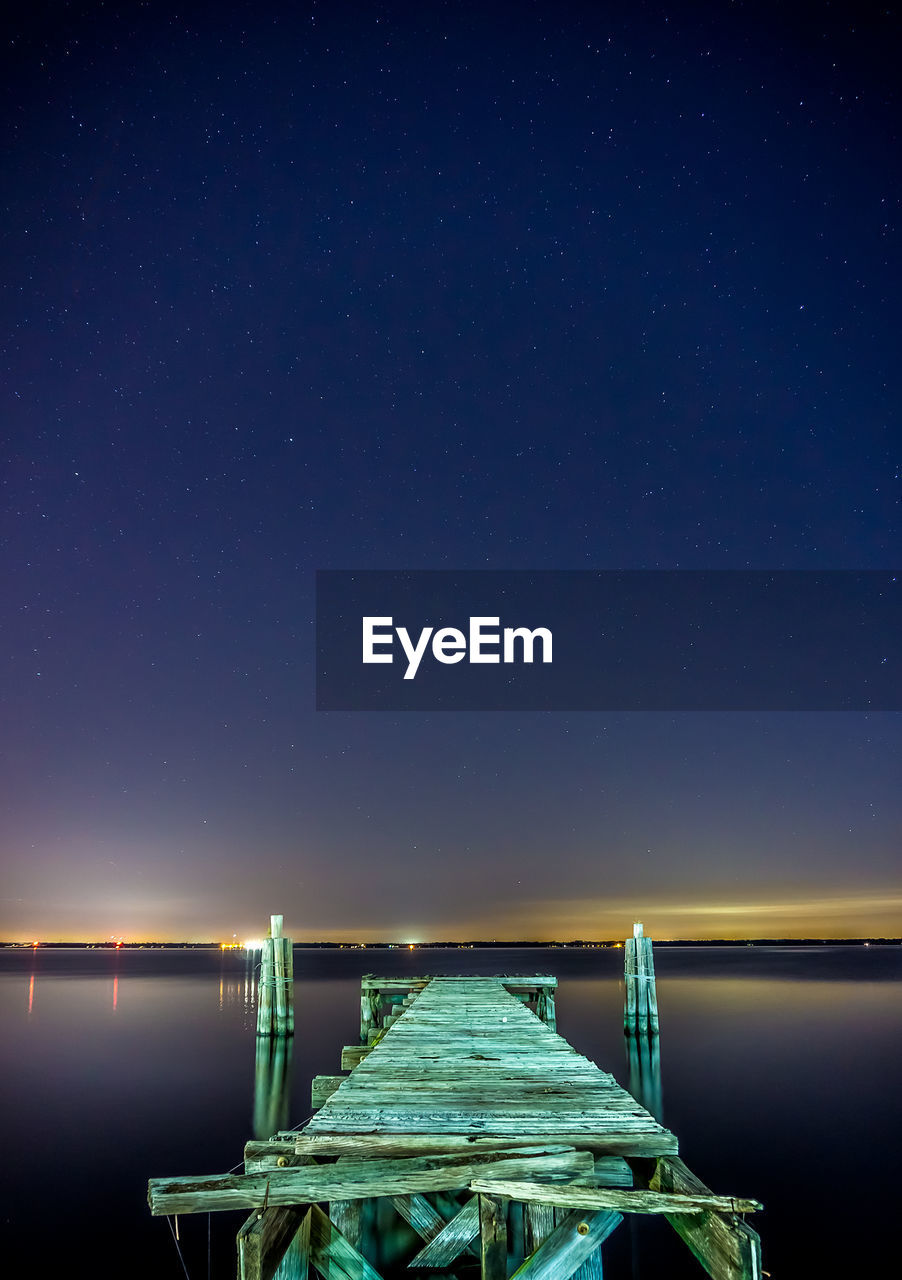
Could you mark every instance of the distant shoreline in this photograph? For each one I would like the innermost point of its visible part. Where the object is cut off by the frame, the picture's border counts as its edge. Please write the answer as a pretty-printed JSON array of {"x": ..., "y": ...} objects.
[{"x": 611, "y": 944}]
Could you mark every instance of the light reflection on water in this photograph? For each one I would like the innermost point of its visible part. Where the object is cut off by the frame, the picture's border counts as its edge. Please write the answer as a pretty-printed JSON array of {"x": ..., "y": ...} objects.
[{"x": 777, "y": 1069}]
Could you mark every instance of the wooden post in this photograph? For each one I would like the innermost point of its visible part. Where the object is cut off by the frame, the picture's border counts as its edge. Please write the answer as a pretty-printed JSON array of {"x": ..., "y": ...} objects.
[
  {"x": 652, "y": 991},
  {"x": 367, "y": 1015},
  {"x": 278, "y": 973},
  {"x": 264, "y": 990},
  {"x": 274, "y": 1243},
  {"x": 641, "y": 980},
  {"x": 289, "y": 982},
  {"x": 493, "y": 1237},
  {"x": 640, "y": 1007},
  {"x": 545, "y": 1007},
  {"x": 275, "y": 999},
  {"x": 725, "y": 1245},
  {"x": 629, "y": 977}
]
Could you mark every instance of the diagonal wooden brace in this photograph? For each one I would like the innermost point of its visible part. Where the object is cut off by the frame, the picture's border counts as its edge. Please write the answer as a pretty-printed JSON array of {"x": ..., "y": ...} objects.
[
  {"x": 456, "y": 1236},
  {"x": 570, "y": 1244},
  {"x": 334, "y": 1257}
]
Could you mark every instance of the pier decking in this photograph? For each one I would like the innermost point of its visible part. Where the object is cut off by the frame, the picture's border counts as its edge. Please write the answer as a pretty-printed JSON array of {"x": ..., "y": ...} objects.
[
  {"x": 475, "y": 1123},
  {"x": 468, "y": 1059}
]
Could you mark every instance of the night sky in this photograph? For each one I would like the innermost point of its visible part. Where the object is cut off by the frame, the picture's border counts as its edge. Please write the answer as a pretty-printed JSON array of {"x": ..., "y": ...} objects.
[{"x": 433, "y": 286}]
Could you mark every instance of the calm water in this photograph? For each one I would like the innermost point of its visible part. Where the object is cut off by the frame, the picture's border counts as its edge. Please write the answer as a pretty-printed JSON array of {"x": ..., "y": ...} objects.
[{"x": 780, "y": 1075}]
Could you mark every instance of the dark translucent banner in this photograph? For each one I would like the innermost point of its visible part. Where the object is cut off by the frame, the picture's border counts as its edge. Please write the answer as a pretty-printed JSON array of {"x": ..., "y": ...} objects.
[{"x": 642, "y": 640}]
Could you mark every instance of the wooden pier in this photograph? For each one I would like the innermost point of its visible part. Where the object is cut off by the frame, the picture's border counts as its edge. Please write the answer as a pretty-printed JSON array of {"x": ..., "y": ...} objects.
[{"x": 464, "y": 1115}]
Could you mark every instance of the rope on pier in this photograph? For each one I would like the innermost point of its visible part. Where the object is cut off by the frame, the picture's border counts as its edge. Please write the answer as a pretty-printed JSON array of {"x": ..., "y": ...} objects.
[{"x": 273, "y": 981}]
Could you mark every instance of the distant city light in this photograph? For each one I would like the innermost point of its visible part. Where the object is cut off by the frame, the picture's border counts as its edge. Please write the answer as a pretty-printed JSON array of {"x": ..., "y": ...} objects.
[{"x": 255, "y": 944}]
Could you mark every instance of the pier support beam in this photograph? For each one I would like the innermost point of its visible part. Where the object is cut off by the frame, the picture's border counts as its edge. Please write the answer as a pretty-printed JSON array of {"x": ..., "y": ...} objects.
[
  {"x": 722, "y": 1241},
  {"x": 493, "y": 1238}
]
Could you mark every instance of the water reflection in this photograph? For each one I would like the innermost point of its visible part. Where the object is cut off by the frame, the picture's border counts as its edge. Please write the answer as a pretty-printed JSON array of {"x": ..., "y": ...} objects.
[
  {"x": 770, "y": 1053},
  {"x": 643, "y": 1056},
  {"x": 237, "y": 990},
  {"x": 272, "y": 1084}
]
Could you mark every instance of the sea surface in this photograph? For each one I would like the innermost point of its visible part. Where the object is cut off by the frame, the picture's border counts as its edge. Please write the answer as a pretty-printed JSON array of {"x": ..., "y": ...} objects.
[{"x": 779, "y": 1073}]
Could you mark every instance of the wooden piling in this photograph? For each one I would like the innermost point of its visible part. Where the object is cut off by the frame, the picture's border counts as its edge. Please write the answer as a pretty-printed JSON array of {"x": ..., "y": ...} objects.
[
  {"x": 640, "y": 1006},
  {"x": 629, "y": 978},
  {"x": 264, "y": 990},
  {"x": 289, "y": 982},
  {"x": 652, "y": 995},
  {"x": 275, "y": 1002},
  {"x": 280, "y": 1000}
]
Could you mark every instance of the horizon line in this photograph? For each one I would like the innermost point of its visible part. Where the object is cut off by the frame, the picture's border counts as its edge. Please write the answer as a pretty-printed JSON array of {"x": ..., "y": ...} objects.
[{"x": 401, "y": 945}]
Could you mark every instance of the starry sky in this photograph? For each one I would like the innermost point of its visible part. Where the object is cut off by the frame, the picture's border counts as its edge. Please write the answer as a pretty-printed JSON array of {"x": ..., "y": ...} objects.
[{"x": 433, "y": 286}]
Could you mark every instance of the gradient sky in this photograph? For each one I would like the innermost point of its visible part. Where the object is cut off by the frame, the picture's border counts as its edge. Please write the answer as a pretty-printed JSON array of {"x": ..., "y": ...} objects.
[{"x": 457, "y": 286}]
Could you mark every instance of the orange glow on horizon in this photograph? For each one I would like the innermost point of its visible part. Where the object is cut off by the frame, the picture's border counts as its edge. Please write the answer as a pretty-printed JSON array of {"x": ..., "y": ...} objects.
[{"x": 795, "y": 913}]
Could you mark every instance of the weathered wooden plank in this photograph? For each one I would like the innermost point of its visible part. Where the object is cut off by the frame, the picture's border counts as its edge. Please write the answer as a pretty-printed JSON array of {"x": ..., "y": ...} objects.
[
  {"x": 609, "y": 1171},
  {"x": 289, "y": 982},
  {"x": 492, "y": 1238},
  {"x": 456, "y": 1236},
  {"x": 629, "y": 976},
  {"x": 353, "y": 1054},
  {"x": 401, "y": 1143},
  {"x": 332, "y": 1255},
  {"x": 295, "y": 1264},
  {"x": 653, "y": 1021},
  {"x": 538, "y": 1225},
  {"x": 545, "y": 1007},
  {"x": 264, "y": 1239},
  {"x": 271, "y": 1155},
  {"x": 600, "y": 1133},
  {"x": 416, "y": 1210},
  {"x": 641, "y": 986},
  {"x": 726, "y": 1246},
  {"x": 368, "y": 1013},
  {"x": 346, "y": 1215},
  {"x": 322, "y": 1088},
  {"x": 636, "y": 1201},
  {"x": 274, "y": 1153},
  {"x": 467, "y": 1058},
  {"x": 280, "y": 989},
  {"x": 355, "y": 1179},
  {"x": 370, "y": 982},
  {"x": 570, "y": 1244},
  {"x": 264, "y": 991}
]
